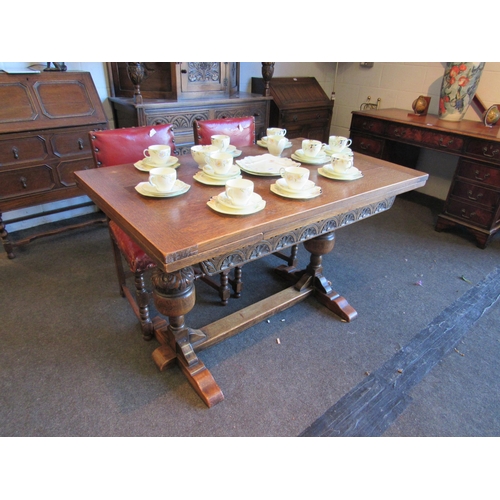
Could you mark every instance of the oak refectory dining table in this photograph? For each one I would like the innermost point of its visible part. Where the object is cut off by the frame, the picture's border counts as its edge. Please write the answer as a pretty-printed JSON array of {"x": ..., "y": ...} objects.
[{"x": 183, "y": 231}]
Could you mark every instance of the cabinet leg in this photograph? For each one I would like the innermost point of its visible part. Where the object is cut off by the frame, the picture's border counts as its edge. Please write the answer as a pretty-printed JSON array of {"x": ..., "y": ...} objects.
[{"x": 4, "y": 235}]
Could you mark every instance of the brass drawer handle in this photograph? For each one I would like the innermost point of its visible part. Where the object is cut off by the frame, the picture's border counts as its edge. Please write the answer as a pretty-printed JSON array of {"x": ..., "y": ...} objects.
[
  {"x": 15, "y": 152},
  {"x": 442, "y": 143},
  {"x": 364, "y": 146},
  {"x": 471, "y": 197},
  {"x": 24, "y": 182},
  {"x": 465, "y": 216},
  {"x": 476, "y": 176},
  {"x": 490, "y": 155},
  {"x": 80, "y": 144}
]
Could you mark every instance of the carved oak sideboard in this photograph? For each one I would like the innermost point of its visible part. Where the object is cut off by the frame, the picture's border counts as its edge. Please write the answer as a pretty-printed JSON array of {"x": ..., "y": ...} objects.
[
  {"x": 473, "y": 201},
  {"x": 45, "y": 119},
  {"x": 182, "y": 113}
]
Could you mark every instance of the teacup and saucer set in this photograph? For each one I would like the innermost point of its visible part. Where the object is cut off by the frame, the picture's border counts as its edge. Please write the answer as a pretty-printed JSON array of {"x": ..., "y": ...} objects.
[
  {"x": 222, "y": 143},
  {"x": 270, "y": 144},
  {"x": 338, "y": 144},
  {"x": 311, "y": 152},
  {"x": 295, "y": 183},
  {"x": 157, "y": 155},
  {"x": 163, "y": 183},
  {"x": 238, "y": 198},
  {"x": 341, "y": 168},
  {"x": 219, "y": 169}
]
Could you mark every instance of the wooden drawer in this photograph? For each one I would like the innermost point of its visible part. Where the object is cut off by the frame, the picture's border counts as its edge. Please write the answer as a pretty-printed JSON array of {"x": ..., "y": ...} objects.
[
  {"x": 469, "y": 213},
  {"x": 475, "y": 193},
  {"x": 367, "y": 145},
  {"x": 486, "y": 150},
  {"x": 72, "y": 143},
  {"x": 435, "y": 140},
  {"x": 26, "y": 181},
  {"x": 182, "y": 119},
  {"x": 17, "y": 150},
  {"x": 363, "y": 124},
  {"x": 257, "y": 110},
  {"x": 479, "y": 172},
  {"x": 66, "y": 169},
  {"x": 305, "y": 116}
]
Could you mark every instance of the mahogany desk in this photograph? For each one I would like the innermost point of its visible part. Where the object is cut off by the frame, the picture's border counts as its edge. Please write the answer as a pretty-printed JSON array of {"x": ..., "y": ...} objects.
[
  {"x": 183, "y": 231},
  {"x": 473, "y": 201}
]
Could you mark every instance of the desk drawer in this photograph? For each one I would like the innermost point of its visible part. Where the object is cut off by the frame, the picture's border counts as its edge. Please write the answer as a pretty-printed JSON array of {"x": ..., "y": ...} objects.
[
  {"x": 363, "y": 124},
  {"x": 73, "y": 143},
  {"x": 475, "y": 193},
  {"x": 26, "y": 181},
  {"x": 66, "y": 169},
  {"x": 17, "y": 150},
  {"x": 436, "y": 140},
  {"x": 479, "y": 172},
  {"x": 367, "y": 145},
  {"x": 305, "y": 116},
  {"x": 486, "y": 150},
  {"x": 471, "y": 214}
]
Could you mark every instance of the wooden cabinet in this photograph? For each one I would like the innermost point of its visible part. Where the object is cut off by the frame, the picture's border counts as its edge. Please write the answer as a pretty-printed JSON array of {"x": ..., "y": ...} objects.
[
  {"x": 182, "y": 92},
  {"x": 300, "y": 105},
  {"x": 473, "y": 200},
  {"x": 45, "y": 119},
  {"x": 182, "y": 114}
]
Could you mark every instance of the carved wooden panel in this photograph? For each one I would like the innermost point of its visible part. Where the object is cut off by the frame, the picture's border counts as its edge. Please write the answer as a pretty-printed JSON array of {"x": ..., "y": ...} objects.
[{"x": 290, "y": 238}]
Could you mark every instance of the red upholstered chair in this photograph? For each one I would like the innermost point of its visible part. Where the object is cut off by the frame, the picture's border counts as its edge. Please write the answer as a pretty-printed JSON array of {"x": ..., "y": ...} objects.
[
  {"x": 241, "y": 130},
  {"x": 116, "y": 147}
]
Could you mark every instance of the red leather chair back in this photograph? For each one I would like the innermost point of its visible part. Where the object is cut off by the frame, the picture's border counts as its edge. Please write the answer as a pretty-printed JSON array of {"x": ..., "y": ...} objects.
[
  {"x": 126, "y": 145},
  {"x": 241, "y": 130}
]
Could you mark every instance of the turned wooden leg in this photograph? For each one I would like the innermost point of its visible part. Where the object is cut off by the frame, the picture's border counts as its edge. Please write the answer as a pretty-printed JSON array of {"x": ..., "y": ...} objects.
[
  {"x": 313, "y": 276},
  {"x": 237, "y": 282},
  {"x": 224, "y": 289},
  {"x": 174, "y": 297},
  {"x": 142, "y": 296}
]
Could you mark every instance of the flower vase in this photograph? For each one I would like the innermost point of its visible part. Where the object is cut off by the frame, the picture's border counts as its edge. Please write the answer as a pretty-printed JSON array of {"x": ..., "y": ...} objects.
[{"x": 460, "y": 82}]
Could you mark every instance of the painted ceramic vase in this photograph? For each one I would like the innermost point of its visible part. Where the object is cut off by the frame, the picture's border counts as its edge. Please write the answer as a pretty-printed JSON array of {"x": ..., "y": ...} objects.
[{"x": 460, "y": 82}]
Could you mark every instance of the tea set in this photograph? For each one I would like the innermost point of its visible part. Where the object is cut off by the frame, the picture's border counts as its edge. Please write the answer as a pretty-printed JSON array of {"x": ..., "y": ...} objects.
[
  {"x": 215, "y": 162},
  {"x": 275, "y": 141},
  {"x": 163, "y": 182},
  {"x": 238, "y": 198},
  {"x": 157, "y": 155},
  {"x": 217, "y": 168}
]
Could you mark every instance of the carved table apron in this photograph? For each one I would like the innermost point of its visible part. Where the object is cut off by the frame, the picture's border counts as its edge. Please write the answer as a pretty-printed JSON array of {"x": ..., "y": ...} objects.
[{"x": 218, "y": 242}]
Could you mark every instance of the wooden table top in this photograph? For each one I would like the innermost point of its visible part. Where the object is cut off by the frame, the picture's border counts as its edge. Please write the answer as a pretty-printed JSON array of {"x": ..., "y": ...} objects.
[{"x": 181, "y": 231}]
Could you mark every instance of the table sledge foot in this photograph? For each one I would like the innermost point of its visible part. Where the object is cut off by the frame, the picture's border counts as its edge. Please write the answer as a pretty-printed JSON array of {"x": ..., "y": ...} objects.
[
  {"x": 337, "y": 304},
  {"x": 202, "y": 382}
]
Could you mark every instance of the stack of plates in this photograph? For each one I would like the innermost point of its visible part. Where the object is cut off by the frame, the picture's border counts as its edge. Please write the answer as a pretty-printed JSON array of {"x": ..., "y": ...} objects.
[
  {"x": 312, "y": 160},
  {"x": 353, "y": 174},
  {"x": 146, "y": 165},
  {"x": 263, "y": 143},
  {"x": 209, "y": 177},
  {"x": 222, "y": 204},
  {"x": 146, "y": 189},
  {"x": 265, "y": 165},
  {"x": 310, "y": 190}
]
